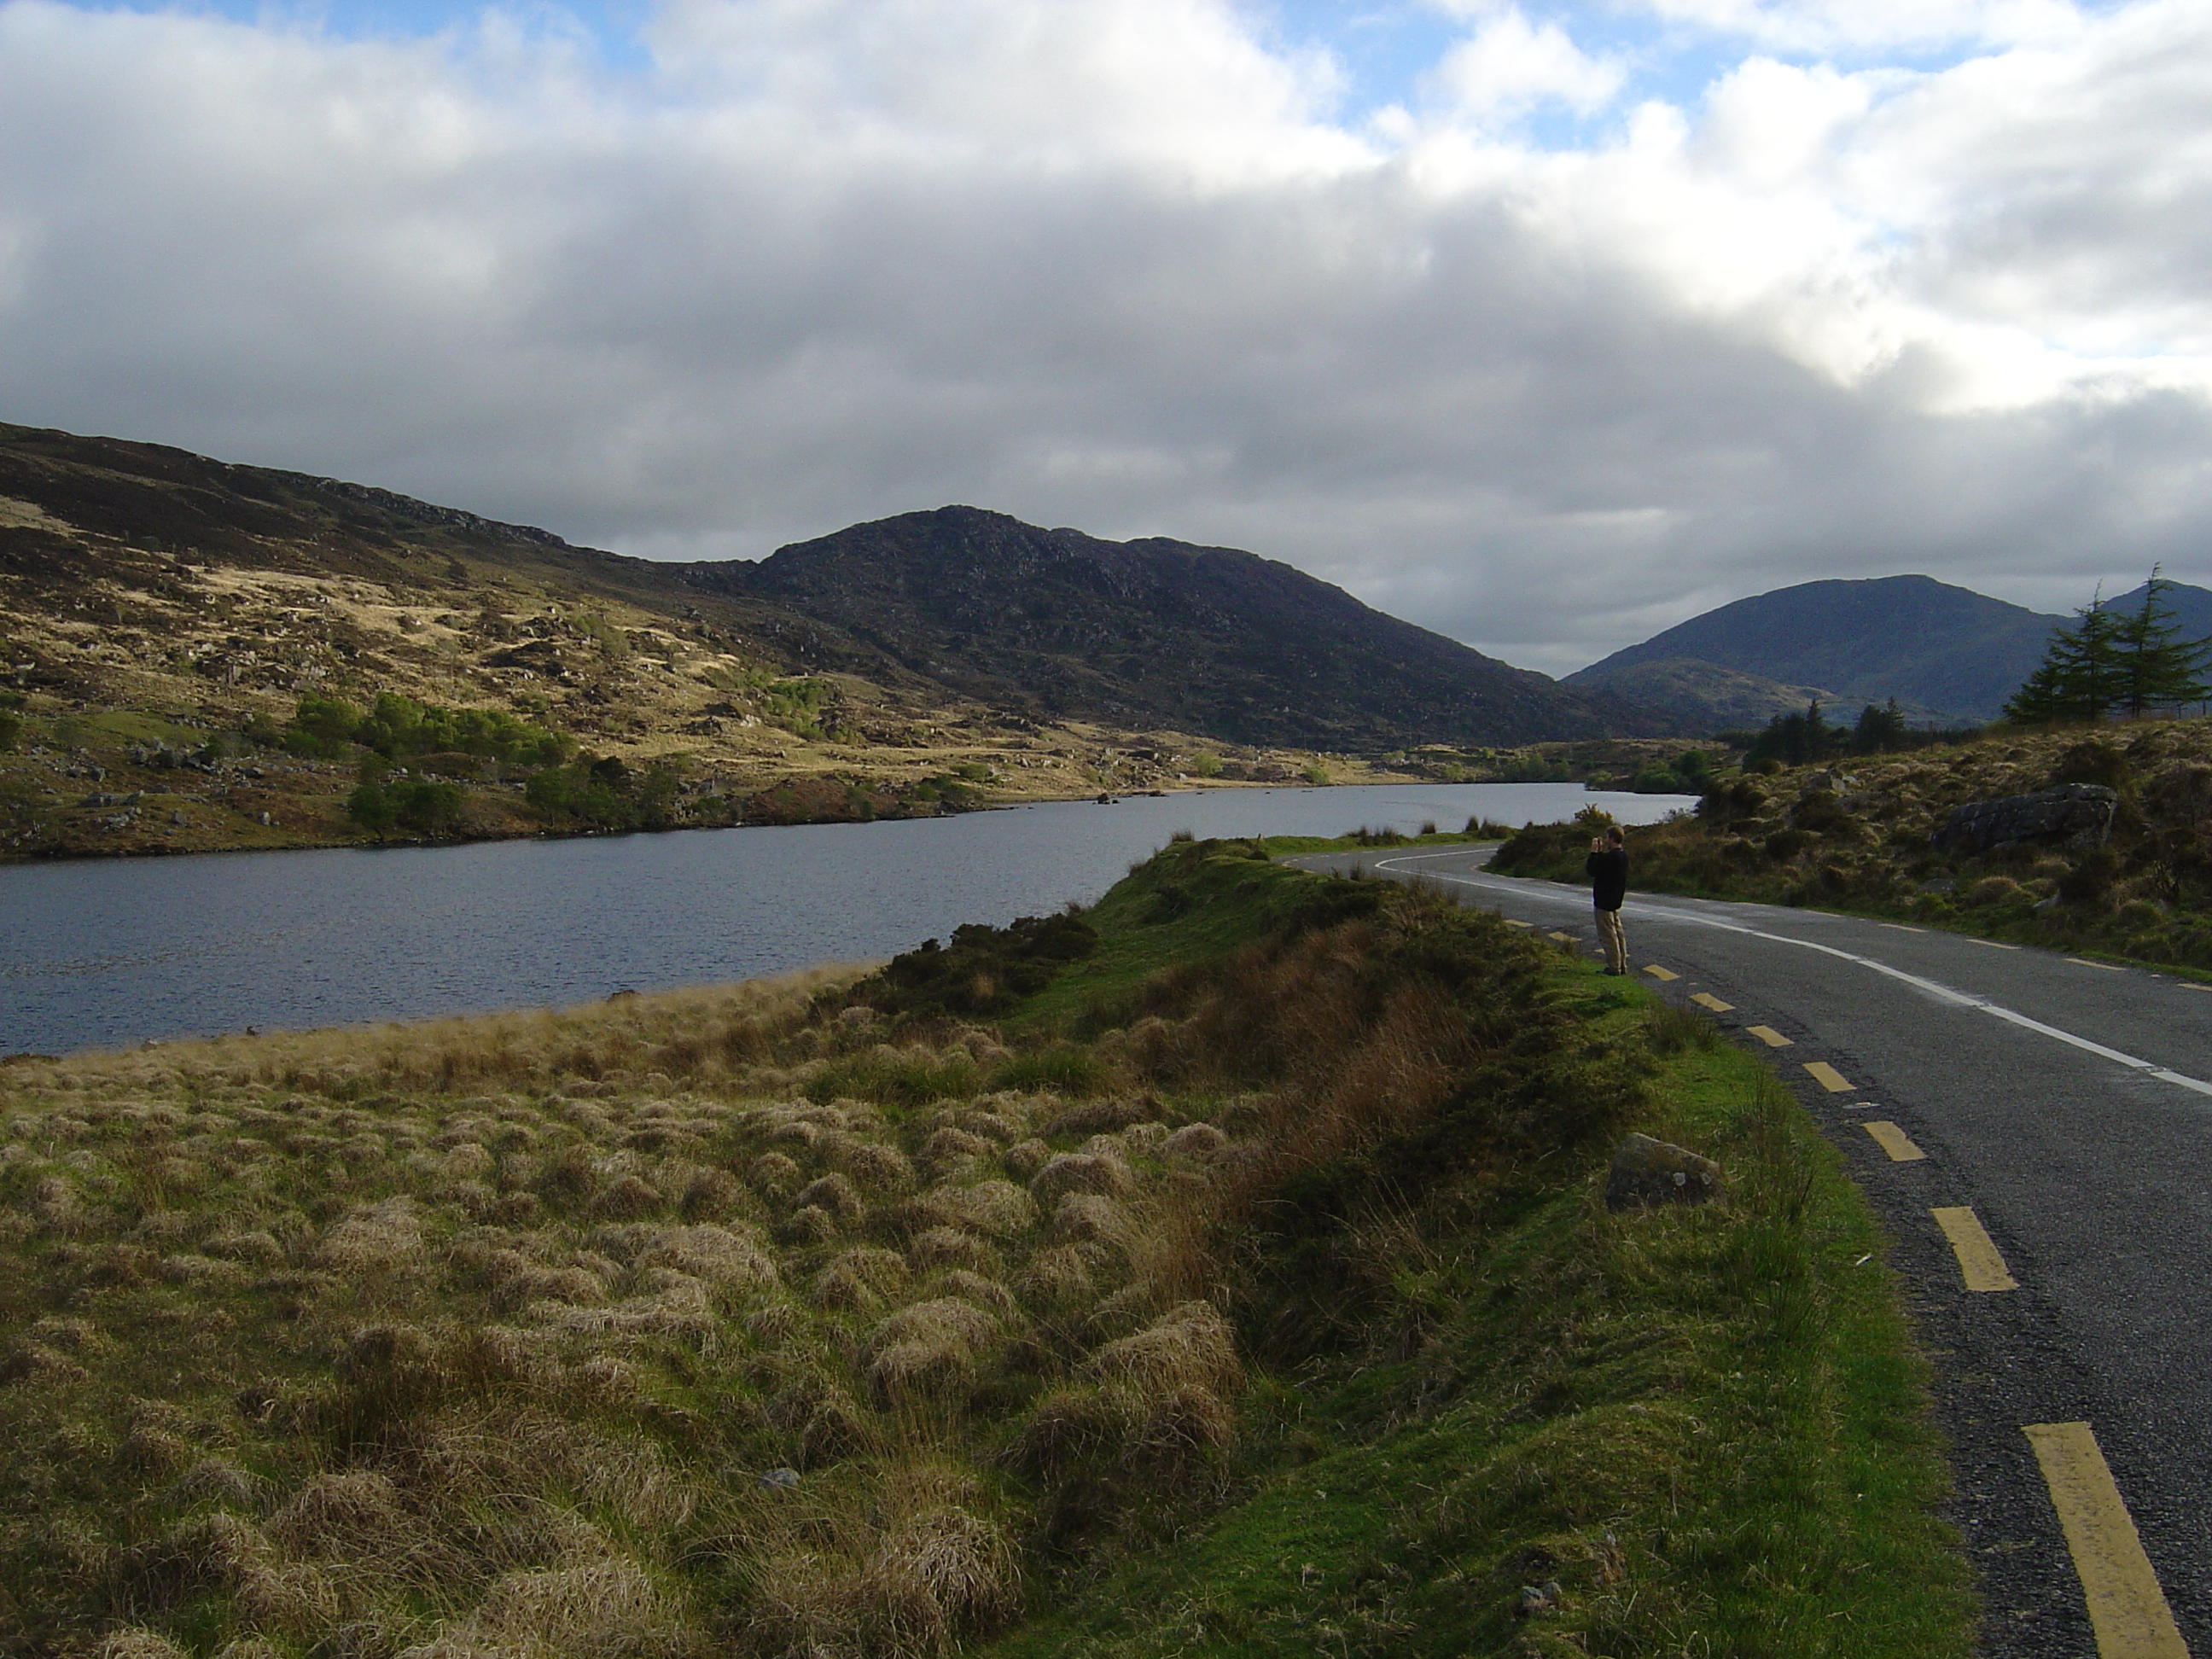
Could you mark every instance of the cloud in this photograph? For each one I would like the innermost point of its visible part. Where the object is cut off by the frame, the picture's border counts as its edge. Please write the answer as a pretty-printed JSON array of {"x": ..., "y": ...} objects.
[
  {"x": 1113, "y": 263},
  {"x": 1508, "y": 66}
]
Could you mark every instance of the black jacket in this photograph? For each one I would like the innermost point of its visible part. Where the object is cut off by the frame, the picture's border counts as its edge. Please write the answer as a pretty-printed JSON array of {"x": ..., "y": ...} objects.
[{"x": 1608, "y": 874}]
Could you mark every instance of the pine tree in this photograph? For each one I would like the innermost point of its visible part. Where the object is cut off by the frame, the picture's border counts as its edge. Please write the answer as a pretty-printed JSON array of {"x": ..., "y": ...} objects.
[
  {"x": 2156, "y": 668},
  {"x": 2079, "y": 678}
]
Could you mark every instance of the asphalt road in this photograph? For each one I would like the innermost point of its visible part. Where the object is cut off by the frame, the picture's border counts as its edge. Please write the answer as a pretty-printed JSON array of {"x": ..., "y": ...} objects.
[{"x": 2068, "y": 1106}]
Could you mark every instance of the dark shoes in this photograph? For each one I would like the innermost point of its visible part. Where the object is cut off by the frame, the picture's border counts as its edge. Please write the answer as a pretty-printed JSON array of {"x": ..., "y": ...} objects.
[{"x": 1612, "y": 973}]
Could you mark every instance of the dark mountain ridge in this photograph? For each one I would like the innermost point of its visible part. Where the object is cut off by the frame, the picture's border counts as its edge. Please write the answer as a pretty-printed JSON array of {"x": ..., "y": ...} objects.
[
  {"x": 1948, "y": 650},
  {"x": 1154, "y": 631}
]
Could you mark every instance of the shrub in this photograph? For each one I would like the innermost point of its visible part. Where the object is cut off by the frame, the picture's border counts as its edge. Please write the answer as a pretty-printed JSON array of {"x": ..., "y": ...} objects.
[{"x": 1990, "y": 889}]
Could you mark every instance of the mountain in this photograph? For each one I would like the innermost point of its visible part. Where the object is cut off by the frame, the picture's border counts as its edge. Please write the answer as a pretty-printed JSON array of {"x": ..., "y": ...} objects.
[
  {"x": 149, "y": 597},
  {"x": 1951, "y": 654},
  {"x": 1212, "y": 640},
  {"x": 1701, "y": 697}
]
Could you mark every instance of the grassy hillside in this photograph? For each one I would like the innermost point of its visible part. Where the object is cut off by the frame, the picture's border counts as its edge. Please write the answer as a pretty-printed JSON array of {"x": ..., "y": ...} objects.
[
  {"x": 1853, "y": 835},
  {"x": 1220, "y": 1270}
]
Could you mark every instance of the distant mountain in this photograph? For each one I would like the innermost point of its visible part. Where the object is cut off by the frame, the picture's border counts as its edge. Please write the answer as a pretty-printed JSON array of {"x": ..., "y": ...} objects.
[
  {"x": 1949, "y": 654},
  {"x": 1701, "y": 697},
  {"x": 1208, "y": 640}
]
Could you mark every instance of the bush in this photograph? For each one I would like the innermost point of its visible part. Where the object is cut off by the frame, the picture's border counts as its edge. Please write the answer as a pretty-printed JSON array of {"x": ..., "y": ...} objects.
[
  {"x": 1990, "y": 889},
  {"x": 2091, "y": 877},
  {"x": 427, "y": 808},
  {"x": 983, "y": 970}
]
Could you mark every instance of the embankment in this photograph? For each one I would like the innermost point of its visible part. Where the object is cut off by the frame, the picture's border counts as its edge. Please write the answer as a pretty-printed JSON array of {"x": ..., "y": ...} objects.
[{"x": 1220, "y": 1270}]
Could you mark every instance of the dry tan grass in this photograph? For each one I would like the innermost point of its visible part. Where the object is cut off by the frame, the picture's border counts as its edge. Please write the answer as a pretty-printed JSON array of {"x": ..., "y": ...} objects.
[{"x": 493, "y": 1324}]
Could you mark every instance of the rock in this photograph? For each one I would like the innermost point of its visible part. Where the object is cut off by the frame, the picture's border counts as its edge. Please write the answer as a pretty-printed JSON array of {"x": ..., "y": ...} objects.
[
  {"x": 779, "y": 1479},
  {"x": 1536, "y": 1598},
  {"x": 1646, "y": 1171},
  {"x": 2078, "y": 814}
]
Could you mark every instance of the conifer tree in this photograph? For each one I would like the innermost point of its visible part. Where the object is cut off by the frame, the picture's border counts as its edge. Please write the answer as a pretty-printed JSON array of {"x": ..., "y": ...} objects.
[
  {"x": 2157, "y": 668},
  {"x": 2079, "y": 678}
]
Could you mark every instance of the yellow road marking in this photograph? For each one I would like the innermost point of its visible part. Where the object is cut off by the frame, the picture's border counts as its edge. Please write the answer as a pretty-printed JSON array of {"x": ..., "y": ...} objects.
[
  {"x": 2109, "y": 967},
  {"x": 1657, "y": 972},
  {"x": 1900, "y": 927},
  {"x": 1994, "y": 944},
  {"x": 2191, "y": 985},
  {"x": 1828, "y": 1077},
  {"x": 1978, "y": 1260},
  {"x": 1769, "y": 1036},
  {"x": 1563, "y": 938},
  {"x": 1510, "y": 922},
  {"x": 2127, "y": 1609},
  {"x": 1893, "y": 1141},
  {"x": 1707, "y": 999}
]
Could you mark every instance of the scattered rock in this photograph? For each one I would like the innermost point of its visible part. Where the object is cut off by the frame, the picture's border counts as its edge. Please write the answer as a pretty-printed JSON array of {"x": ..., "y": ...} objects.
[
  {"x": 779, "y": 1479},
  {"x": 1646, "y": 1171},
  {"x": 2077, "y": 814},
  {"x": 1536, "y": 1598}
]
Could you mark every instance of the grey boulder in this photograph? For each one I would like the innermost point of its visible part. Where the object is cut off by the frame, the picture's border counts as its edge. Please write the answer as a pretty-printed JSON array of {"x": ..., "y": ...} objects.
[
  {"x": 2077, "y": 814},
  {"x": 1646, "y": 1172}
]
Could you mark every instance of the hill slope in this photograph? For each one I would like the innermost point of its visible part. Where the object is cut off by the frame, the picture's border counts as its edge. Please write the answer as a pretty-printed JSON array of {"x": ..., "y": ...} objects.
[
  {"x": 1953, "y": 654},
  {"x": 1202, "y": 639},
  {"x": 954, "y": 607}
]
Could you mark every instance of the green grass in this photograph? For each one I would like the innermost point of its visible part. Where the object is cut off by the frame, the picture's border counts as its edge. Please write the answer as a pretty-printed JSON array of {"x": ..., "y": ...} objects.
[{"x": 1707, "y": 1427}]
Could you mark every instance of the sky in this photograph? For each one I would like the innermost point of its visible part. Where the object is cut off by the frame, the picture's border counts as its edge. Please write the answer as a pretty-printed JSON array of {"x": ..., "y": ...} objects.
[{"x": 1545, "y": 326}]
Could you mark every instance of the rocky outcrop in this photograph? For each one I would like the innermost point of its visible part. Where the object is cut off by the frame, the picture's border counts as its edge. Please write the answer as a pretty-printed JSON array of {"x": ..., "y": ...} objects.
[
  {"x": 2076, "y": 814},
  {"x": 1646, "y": 1171}
]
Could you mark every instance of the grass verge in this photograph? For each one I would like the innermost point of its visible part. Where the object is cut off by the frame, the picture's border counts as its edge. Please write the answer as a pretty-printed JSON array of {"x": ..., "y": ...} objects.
[{"x": 1682, "y": 1430}]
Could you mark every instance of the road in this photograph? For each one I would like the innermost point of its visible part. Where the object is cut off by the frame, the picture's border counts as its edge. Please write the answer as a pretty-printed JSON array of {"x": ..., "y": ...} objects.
[{"x": 2060, "y": 1111}]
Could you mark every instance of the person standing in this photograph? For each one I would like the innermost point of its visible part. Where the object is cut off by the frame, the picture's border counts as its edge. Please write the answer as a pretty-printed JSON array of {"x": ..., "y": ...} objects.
[{"x": 1607, "y": 870}]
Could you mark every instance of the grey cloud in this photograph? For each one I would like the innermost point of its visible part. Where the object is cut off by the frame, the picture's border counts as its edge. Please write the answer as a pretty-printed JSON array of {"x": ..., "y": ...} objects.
[{"x": 690, "y": 324}]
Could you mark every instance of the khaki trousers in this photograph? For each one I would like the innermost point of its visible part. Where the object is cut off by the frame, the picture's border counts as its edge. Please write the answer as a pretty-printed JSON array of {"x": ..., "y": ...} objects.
[{"x": 1614, "y": 942}]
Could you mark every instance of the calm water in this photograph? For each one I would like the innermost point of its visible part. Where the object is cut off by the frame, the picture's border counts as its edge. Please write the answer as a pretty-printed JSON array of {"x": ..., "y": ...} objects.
[{"x": 103, "y": 953}]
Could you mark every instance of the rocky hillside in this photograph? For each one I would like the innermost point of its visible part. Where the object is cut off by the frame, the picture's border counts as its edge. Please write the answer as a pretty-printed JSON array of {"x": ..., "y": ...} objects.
[
  {"x": 163, "y": 615},
  {"x": 1155, "y": 632},
  {"x": 1862, "y": 835}
]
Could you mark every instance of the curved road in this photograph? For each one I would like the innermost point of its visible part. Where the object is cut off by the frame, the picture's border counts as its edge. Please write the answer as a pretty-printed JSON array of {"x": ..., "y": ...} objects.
[{"x": 2036, "y": 1133}]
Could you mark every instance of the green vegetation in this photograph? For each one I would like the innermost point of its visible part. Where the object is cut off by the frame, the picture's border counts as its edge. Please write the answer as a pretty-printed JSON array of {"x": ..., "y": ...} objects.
[
  {"x": 1858, "y": 841},
  {"x": 1798, "y": 739},
  {"x": 602, "y": 793},
  {"x": 425, "y": 808},
  {"x": 2106, "y": 664},
  {"x": 1243, "y": 1288},
  {"x": 399, "y": 728}
]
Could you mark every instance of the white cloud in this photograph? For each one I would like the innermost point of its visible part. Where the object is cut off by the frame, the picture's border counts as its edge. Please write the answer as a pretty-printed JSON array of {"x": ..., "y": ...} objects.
[
  {"x": 1107, "y": 262},
  {"x": 1510, "y": 66}
]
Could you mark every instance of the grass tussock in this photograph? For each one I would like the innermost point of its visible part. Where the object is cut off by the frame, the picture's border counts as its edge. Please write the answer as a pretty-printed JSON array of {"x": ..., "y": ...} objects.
[{"x": 805, "y": 1318}]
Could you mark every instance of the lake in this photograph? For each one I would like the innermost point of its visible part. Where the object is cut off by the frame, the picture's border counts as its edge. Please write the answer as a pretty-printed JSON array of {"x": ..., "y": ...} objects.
[{"x": 104, "y": 953}]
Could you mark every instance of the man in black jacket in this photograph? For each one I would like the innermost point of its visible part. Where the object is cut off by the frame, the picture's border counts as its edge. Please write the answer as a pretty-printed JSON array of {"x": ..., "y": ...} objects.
[{"x": 1608, "y": 869}]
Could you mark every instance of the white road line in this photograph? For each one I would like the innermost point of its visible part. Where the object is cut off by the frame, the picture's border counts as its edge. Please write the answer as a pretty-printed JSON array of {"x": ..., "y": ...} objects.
[{"x": 1940, "y": 992}]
